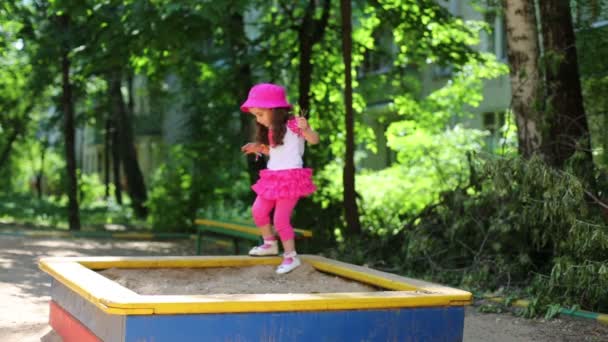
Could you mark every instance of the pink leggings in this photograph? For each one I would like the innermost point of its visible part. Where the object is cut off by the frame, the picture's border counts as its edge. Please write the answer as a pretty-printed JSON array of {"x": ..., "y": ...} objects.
[{"x": 282, "y": 215}]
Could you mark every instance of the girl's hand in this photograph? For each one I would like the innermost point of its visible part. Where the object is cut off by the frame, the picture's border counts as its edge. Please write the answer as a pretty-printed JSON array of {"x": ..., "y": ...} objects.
[
  {"x": 302, "y": 123},
  {"x": 250, "y": 148}
]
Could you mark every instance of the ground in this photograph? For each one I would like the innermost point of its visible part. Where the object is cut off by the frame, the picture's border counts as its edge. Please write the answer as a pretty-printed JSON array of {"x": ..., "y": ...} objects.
[{"x": 24, "y": 294}]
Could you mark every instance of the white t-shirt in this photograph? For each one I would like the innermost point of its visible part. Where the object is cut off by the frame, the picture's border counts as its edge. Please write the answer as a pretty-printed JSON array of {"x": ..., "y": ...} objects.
[{"x": 289, "y": 155}]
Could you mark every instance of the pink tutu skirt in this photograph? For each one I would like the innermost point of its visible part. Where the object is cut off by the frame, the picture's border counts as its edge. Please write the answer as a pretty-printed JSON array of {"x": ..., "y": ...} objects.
[{"x": 279, "y": 184}]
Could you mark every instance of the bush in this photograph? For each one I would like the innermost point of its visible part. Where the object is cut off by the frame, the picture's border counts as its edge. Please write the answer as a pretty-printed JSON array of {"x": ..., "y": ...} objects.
[
  {"x": 517, "y": 224},
  {"x": 91, "y": 189},
  {"x": 184, "y": 184},
  {"x": 171, "y": 201},
  {"x": 428, "y": 164}
]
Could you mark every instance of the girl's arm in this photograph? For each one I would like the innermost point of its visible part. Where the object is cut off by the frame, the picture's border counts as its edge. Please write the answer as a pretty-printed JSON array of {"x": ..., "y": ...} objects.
[
  {"x": 255, "y": 148},
  {"x": 308, "y": 133},
  {"x": 311, "y": 136},
  {"x": 264, "y": 149}
]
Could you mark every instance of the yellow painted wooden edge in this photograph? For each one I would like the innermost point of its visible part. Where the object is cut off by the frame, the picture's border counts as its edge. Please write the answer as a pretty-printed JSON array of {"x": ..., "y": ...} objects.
[
  {"x": 284, "y": 302},
  {"x": 242, "y": 228},
  {"x": 361, "y": 277},
  {"x": 122, "y": 301},
  {"x": 383, "y": 279},
  {"x": 96, "y": 297},
  {"x": 97, "y": 263},
  {"x": 602, "y": 318},
  {"x": 123, "y": 312}
]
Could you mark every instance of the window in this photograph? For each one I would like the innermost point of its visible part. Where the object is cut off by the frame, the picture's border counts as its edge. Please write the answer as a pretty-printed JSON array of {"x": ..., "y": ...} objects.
[
  {"x": 497, "y": 38},
  {"x": 100, "y": 162},
  {"x": 442, "y": 71},
  {"x": 455, "y": 7},
  {"x": 380, "y": 59},
  {"x": 493, "y": 121},
  {"x": 592, "y": 13}
]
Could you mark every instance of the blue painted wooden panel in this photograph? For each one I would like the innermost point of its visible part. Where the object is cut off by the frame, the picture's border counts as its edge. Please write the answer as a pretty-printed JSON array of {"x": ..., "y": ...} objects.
[{"x": 419, "y": 324}]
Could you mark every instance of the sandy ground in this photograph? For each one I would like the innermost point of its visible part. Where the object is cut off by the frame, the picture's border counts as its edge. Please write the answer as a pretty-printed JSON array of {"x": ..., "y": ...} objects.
[
  {"x": 231, "y": 280},
  {"x": 24, "y": 294}
]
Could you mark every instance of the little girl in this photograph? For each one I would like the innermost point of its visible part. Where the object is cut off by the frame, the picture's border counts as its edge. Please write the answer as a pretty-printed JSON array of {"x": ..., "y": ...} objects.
[{"x": 281, "y": 136}]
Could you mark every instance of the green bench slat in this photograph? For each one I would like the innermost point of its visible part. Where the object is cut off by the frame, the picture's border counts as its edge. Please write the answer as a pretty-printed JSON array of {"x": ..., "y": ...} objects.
[
  {"x": 234, "y": 233},
  {"x": 235, "y": 230}
]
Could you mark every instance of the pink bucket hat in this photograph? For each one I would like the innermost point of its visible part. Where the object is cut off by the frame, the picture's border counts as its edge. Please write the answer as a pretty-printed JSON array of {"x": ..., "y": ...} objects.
[{"x": 266, "y": 95}]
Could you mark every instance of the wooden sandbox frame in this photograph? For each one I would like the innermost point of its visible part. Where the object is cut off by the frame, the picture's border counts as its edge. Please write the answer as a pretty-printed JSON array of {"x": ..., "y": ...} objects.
[{"x": 86, "y": 306}]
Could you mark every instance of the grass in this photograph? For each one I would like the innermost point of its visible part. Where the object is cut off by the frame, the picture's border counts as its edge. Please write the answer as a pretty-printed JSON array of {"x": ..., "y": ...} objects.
[{"x": 26, "y": 211}]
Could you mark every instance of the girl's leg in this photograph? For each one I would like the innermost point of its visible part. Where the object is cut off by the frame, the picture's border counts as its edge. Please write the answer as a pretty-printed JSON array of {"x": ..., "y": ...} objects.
[
  {"x": 261, "y": 216},
  {"x": 282, "y": 223}
]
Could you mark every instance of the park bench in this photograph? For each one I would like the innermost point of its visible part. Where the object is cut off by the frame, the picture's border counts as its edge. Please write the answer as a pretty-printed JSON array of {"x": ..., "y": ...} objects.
[{"x": 237, "y": 231}]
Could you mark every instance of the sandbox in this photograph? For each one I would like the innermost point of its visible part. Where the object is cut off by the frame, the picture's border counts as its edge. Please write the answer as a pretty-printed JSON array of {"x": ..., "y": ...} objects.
[{"x": 239, "y": 298}]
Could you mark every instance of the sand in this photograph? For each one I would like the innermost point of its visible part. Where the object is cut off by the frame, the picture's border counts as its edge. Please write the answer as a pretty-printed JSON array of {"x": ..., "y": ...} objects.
[{"x": 231, "y": 280}]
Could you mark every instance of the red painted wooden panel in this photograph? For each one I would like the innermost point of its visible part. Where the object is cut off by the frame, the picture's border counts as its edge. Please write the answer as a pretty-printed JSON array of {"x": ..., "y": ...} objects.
[{"x": 69, "y": 328}]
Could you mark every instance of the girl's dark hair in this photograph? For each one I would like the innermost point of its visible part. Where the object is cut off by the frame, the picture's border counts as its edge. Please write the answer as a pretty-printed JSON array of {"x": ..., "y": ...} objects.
[{"x": 280, "y": 116}]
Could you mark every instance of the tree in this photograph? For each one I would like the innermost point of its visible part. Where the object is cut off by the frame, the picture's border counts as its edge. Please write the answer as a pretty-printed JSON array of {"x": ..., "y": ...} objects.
[
  {"x": 241, "y": 81},
  {"x": 310, "y": 32},
  {"x": 546, "y": 89},
  {"x": 15, "y": 71},
  {"x": 567, "y": 122},
  {"x": 526, "y": 82},
  {"x": 107, "y": 55},
  {"x": 126, "y": 146},
  {"x": 68, "y": 122},
  {"x": 16, "y": 127},
  {"x": 350, "y": 195},
  {"x": 50, "y": 35}
]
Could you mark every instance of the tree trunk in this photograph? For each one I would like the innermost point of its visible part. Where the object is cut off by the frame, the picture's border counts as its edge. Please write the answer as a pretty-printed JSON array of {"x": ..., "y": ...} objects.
[
  {"x": 244, "y": 79},
  {"x": 131, "y": 102},
  {"x": 18, "y": 126},
  {"x": 135, "y": 180},
  {"x": 567, "y": 126},
  {"x": 305, "y": 47},
  {"x": 40, "y": 173},
  {"x": 6, "y": 151},
  {"x": 523, "y": 55},
  {"x": 605, "y": 140},
  {"x": 69, "y": 132},
  {"x": 116, "y": 163},
  {"x": 310, "y": 32},
  {"x": 254, "y": 164},
  {"x": 350, "y": 199},
  {"x": 106, "y": 158}
]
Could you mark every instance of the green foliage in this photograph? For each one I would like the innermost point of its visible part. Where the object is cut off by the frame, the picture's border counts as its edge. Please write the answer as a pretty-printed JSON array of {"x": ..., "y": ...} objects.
[
  {"x": 91, "y": 189},
  {"x": 170, "y": 200},
  {"x": 516, "y": 224},
  {"x": 428, "y": 164},
  {"x": 460, "y": 93},
  {"x": 26, "y": 163},
  {"x": 51, "y": 213},
  {"x": 177, "y": 191},
  {"x": 18, "y": 208},
  {"x": 491, "y": 308},
  {"x": 227, "y": 211}
]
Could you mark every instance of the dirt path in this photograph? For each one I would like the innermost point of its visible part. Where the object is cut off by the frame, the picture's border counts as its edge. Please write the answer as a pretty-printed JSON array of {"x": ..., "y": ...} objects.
[{"x": 24, "y": 294}]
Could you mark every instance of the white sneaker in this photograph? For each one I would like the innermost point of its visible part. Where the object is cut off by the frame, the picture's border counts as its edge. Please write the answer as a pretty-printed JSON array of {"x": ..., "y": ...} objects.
[
  {"x": 289, "y": 264},
  {"x": 268, "y": 248}
]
